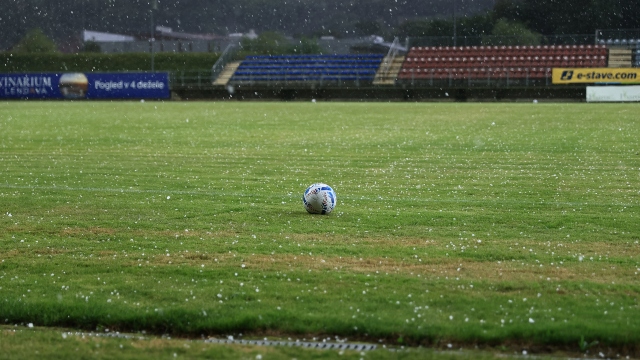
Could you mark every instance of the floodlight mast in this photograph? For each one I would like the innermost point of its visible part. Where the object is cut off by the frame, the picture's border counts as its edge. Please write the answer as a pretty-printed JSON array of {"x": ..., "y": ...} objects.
[
  {"x": 152, "y": 39},
  {"x": 454, "y": 23}
]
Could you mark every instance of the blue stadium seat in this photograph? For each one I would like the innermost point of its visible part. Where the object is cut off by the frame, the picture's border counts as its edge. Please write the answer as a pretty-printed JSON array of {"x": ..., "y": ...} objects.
[{"x": 320, "y": 67}]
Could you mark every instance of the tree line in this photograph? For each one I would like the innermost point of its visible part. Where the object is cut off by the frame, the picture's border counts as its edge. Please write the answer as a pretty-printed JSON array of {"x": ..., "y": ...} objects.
[{"x": 63, "y": 21}]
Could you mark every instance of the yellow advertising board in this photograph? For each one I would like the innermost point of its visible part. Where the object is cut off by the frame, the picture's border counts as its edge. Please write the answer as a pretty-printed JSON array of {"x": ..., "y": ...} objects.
[{"x": 595, "y": 75}]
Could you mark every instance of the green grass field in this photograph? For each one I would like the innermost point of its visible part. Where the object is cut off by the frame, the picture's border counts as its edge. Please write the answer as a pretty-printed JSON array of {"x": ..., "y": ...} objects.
[{"x": 508, "y": 227}]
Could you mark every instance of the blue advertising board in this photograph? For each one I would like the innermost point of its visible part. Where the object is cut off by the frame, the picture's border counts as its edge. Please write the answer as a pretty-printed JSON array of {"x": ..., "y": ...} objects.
[{"x": 85, "y": 86}]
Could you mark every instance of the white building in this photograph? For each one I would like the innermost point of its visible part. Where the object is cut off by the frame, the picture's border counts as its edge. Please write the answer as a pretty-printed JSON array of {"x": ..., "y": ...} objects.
[{"x": 97, "y": 36}]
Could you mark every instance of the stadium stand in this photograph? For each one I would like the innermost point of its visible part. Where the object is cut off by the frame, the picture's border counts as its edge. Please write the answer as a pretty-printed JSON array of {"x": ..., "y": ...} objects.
[
  {"x": 631, "y": 43},
  {"x": 307, "y": 68},
  {"x": 387, "y": 74},
  {"x": 227, "y": 72},
  {"x": 620, "y": 58},
  {"x": 496, "y": 62}
]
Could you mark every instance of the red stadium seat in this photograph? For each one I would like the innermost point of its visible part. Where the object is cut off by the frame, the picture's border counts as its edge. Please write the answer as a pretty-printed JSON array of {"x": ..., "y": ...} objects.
[
  {"x": 536, "y": 73},
  {"x": 520, "y": 73},
  {"x": 497, "y": 73},
  {"x": 549, "y": 50},
  {"x": 457, "y": 73},
  {"x": 480, "y": 62},
  {"x": 536, "y": 61},
  {"x": 575, "y": 49}
]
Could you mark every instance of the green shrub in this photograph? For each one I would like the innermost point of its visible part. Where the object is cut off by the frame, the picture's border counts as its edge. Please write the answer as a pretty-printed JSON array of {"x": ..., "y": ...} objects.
[
  {"x": 91, "y": 46},
  {"x": 512, "y": 33},
  {"x": 96, "y": 62},
  {"x": 273, "y": 43},
  {"x": 35, "y": 41}
]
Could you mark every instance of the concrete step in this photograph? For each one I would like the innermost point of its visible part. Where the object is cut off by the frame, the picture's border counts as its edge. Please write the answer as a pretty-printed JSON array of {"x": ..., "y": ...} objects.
[
  {"x": 388, "y": 77},
  {"x": 227, "y": 73}
]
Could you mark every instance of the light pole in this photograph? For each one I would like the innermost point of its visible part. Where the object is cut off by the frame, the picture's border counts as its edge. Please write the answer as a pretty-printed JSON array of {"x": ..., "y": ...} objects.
[
  {"x": 454, "y": 24},
  {"x": 152, "y": 39}
]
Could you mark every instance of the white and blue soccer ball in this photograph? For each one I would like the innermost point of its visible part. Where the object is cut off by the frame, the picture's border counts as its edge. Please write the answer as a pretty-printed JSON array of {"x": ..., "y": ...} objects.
[{"x": 319, "y": 199}]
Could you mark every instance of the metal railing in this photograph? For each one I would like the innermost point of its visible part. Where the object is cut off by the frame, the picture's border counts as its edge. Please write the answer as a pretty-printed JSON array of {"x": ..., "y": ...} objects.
[
  {"x": 618, "y": 37},
  {"x": 570, "y": 39},
  {"x": 200, "y": 79},
  {"x": 388, "y": 60},
  {"x": 503, "y": 79},
  {"x": 227, "y": 56},
  {"x": 294, "y": 81},
  {"x": 190, "y": 78}
]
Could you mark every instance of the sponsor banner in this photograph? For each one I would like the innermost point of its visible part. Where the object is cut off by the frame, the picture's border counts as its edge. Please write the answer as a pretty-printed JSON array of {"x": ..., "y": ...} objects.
[
  {"x": 595, "y": 75},
  {"x": 613, "y": 93},
  {"x": 128, "y": 86},
  {"x": 33, "y": 86},
  {"x": 85, "y": 86}
]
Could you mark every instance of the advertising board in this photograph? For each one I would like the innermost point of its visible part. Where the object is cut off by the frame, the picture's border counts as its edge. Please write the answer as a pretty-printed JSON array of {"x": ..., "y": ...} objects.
[
  {"x": 613, "y": 93},
  {"x": 595, "y": 75},
  {"x": 85, "y": 86}
]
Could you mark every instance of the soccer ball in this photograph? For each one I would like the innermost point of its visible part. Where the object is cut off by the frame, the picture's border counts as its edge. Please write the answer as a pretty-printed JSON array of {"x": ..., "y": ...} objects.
[{"x": 319, "y": 199}]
